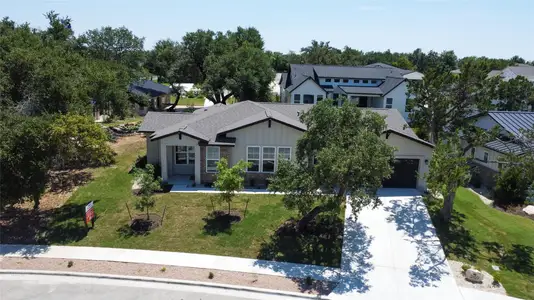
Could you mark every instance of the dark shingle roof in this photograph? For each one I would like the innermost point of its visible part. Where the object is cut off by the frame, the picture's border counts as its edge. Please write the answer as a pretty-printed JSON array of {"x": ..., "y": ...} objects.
[
  {"x": 386, "y": 66},
  {"x": 513, "y": 121},
  {"x": 361, "y": 90},
  {"x": 158, "y": 120},
  {"x": 149, "y": 87},
  {"x": 211, "y": 123}
]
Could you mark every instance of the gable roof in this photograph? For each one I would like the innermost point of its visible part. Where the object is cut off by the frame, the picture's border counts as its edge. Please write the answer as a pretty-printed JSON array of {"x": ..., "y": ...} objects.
[
  {"x": 210, "y": 124},
  {"x": 513, "y": 121},
  {"x": 149, "y": 87},
  {"x": 504, "y": 147},
  {"x": 300, "y": 81}
]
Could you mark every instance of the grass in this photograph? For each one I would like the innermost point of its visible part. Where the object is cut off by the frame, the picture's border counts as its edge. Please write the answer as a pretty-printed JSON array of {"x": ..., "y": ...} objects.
[
  {"x": 185, "y": 222},
  {"x": 124, "y": 121},
  {"x": 483, "y": 236}
]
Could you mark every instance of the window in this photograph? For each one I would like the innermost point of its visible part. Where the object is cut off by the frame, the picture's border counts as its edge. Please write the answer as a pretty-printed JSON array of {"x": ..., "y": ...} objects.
[
  {"x": 213, "y": 155},
  {"x": 336, "y": 80},
  {"x": 336, "y": 96},
  {"x": 328, "y": 80},
  {"x": 345, "y": 80},
  {"x": 365, "y": 81},
  {"x": 389, "y": 102},
  {"x": 486, "y": 155},
  {"x": 184, "y": 155},
  {"x": 253, "y": 157},
  {"x": 268, "y": 159},
  {"x": 356, "y": 81},
  {"x": 319, "y": 98},
  {"x": 296, "y": 98},
  {"x": 308, "y": 99},
  {"x": 473, "y": 152},
  {"x": 373, "y": 81},
  {"x": 284, "y": 153}
]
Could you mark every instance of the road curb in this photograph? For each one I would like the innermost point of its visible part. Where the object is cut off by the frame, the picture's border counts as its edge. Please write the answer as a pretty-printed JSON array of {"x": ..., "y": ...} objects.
[{"x": 164, "y": 281}]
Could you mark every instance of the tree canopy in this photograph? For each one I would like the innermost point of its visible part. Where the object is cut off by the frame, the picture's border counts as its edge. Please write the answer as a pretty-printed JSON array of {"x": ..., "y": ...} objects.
[{"x": 341, "y": 156}]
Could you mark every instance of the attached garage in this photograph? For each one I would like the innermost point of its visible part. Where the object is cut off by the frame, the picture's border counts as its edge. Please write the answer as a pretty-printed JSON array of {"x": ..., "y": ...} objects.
[{"x": 404, "y": 174}]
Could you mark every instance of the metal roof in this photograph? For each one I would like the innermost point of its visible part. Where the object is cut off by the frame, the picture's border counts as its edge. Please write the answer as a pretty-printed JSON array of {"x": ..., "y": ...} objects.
[
  {"x": 504, "y": 147},
  {"x": 514, "y": 121},
  {"x": 149, "y": 87}
]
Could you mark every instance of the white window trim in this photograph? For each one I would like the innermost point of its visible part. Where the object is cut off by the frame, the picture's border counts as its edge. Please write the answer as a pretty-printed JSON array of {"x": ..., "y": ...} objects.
[
  {"x": 259, "y": 159},
  {"x": 275, "y": 159},
  {"x": 293, "y": 98},
  {"x": 278, "y": 155},
  {"x": 187, "y": 153},
  {"x": 386, "y": 102},
  {"x": 218, "y": 159}
]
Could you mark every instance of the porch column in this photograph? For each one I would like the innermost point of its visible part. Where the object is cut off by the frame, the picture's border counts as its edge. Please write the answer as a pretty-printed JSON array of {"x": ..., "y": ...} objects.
[
  {"x": 163, "y": 161},
  {"x": 197, "y": 164}
]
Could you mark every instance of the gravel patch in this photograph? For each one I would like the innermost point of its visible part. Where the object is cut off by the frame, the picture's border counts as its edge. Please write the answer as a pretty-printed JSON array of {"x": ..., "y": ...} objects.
[
  {"x": 486, "y": 285},
  {"x": 170, "y": 272}
]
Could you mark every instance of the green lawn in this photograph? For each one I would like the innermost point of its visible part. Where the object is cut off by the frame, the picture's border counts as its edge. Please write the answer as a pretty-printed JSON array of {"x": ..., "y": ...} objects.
[
  {"x": 187, "y": 225},
  {"x": 483, "y": 236}
]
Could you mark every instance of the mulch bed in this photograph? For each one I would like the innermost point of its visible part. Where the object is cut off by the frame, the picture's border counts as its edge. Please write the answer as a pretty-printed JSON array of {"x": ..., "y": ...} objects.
[
  {"x": 516, "y": 210},
  {"x": 140, "y": 224}
]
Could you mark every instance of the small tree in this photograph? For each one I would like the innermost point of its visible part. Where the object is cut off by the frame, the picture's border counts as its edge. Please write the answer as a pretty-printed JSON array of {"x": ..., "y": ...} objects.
[
  {"x": 448, "y": 171},
  {"x": 149, "y": 184},
  {"x": 230, "y": 180}
]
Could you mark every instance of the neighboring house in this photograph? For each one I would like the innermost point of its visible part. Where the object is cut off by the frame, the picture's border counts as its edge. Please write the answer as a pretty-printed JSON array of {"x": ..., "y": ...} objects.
[
  {"x": 159, "y": 94},
  {"x": 190, "y": 144},
  {"x": 376, "y": 85},
  {"x": 488, "y": 158},
  {"x": 511, "y": 72}
]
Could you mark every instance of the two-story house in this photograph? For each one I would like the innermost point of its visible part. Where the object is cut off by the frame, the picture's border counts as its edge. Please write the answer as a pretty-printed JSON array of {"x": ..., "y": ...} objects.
[
  {"x": 376, "y": 85},
  {"x": 489, "y": 157}
]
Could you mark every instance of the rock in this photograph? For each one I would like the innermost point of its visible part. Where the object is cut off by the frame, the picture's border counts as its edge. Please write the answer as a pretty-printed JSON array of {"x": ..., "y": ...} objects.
[
  {"x": 474, "y": 276},
  {"x": 496, "y": 268},
  {"x": 529, "y": 210},
  {"x": 136, "y": 187}
]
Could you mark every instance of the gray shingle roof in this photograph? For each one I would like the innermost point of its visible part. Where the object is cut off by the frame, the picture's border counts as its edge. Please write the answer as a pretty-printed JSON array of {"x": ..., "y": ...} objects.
[
  {"x": 504, "y": 147},
  {"x": 513, "y": 121},
  {"x": 154, "y": 121},
  {"x": 361, "y": 90},
  {"x": 209, "y": 124},
  {"x": 523, "y": 70},
  {"x": 386, "y": 66}
]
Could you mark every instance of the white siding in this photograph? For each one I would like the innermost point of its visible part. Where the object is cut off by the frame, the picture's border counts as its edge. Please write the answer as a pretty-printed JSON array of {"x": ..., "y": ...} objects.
[
  {"x": 493, "y": 157},
  {"x": 152, "y": 150},
  {"x": 308, "y": 88},
  {"x": 261, "y": 135},
  {"x": 399, "y": 98},
  {"x": 407, "y": 148},
  {"x": 414, "y": 76}
]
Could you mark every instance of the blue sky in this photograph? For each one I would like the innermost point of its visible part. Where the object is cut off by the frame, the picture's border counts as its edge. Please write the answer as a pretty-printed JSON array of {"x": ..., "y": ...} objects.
[{"x": 494, "y": 28}]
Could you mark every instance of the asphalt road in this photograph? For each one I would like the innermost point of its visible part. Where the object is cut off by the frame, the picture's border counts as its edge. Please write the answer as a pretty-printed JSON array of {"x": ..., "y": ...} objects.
[{"x": 45, "y": 287}]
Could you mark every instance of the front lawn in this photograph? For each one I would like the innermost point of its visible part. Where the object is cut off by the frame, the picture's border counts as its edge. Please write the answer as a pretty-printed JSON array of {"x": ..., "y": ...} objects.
[
  {"x": 187, "y": 225},
  {"x": 483, "y": 236}
]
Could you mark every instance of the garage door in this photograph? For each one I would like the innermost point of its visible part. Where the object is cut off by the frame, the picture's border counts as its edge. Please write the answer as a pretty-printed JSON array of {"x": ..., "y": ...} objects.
[{"x": 404, "y": 174}]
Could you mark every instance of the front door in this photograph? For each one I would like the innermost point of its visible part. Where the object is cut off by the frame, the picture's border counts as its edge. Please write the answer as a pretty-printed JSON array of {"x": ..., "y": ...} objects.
[
  {"x": 362, "y": 102},
  {"x": 184, "y": 160}
]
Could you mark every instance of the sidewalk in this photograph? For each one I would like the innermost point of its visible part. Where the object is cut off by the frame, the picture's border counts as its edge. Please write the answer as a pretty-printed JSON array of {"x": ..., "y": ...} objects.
[{"x": 180, "y": 259}]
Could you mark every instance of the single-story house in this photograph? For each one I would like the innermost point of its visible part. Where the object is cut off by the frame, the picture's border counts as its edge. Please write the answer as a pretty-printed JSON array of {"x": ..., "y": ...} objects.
[
  {"x": 190, "y": 144},
  {"x": 159, "y": 94},
  {"x": 488, "y": 158}
]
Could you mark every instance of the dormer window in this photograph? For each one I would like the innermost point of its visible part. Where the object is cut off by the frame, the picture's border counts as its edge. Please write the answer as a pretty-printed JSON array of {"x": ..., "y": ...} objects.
[
  {"x": 345, "y": 81},
  {"x": 356, "y": 81},
  {"x": 373, "y": 81},
  {"x": 336, "y": 80},
  {"x": 328, "y": 80},
  {"x": 365, "y": 81}
]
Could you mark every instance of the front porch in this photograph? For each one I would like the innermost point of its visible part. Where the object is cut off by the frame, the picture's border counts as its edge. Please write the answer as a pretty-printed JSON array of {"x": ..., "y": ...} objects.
[{"x": 180, "y": 164}]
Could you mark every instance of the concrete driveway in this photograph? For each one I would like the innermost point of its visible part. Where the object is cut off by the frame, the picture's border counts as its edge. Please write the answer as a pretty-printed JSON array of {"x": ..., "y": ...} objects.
[{"x": 393, "y": 252}]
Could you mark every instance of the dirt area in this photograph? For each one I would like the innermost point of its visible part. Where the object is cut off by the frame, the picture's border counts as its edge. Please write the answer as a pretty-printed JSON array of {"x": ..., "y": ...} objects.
[
  {"x": 124, "y": 143},
  {"x": 170, "y": 272},
  {"x": 517, "y": 210},
  {"x": 486, "y": 286}
]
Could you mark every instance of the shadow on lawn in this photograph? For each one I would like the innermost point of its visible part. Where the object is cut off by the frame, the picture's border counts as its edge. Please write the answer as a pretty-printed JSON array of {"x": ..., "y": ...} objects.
[
  {"x": 53, "y": 226},
  {"x": 320, "y": 244},
  {"x": 519, "y": 258},
  {"x": 455, "y": 238},
  {"x": 220, "y": 222}
]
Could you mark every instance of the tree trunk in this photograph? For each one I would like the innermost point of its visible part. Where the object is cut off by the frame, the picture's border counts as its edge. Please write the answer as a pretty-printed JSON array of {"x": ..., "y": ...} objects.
[
  {"x": 147, "y": 214},
  {"x": 228, "y": 207},
  {"x": 446, "y": 210},
  {"x": 303, "y": 223},
  {"x": 173, "y": 106}
]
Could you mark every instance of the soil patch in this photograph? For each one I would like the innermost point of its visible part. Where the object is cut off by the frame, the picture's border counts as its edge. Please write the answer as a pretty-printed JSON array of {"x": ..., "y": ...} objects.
[
  {"x": 517, "y": 210},
  {"x": 316, "y": 287},
  {"x": 141, "y": 224},
  {"x": 123, "y": 143}
]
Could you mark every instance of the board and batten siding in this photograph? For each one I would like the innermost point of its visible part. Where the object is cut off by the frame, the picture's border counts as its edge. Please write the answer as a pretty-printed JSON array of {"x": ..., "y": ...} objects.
[
  {"x": 493, "y": 157},
  {"x": 262, "y": 135},
  {"x": 399, "y": 98},
  {"x": 152, "y": 150},
  {"x": 309, "y": 87},
  {"x": 410, "y": 149}
]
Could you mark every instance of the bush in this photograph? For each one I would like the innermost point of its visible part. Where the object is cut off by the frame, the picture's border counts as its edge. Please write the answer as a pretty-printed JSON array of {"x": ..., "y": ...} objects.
[
  {"x": 163, "y": 269},
  {"x": 70, "y": 264},
  {"x": 511, "y": 187},
  {"x": 210, "y": 275},
  {"x": 496, "y": 277},
  {"x": 465, "y": 267}
]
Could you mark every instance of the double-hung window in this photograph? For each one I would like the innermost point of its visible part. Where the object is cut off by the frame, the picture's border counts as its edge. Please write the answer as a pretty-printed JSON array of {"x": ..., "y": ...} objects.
[
  {"x": 284, "y": 153},
  {"x": 184, "y": 155},
  {"x": 296, "y": 98},
  {"x": 213, "y": 155},
  {"x": 268, "y": 159},
  {"x": 308, "y": 99},
  {"x": 253, "y": 158}
]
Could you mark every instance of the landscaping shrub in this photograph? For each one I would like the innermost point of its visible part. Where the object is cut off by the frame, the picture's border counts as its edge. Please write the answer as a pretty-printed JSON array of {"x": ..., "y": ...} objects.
[
  {"x": 70, "y": 264},
  {"x": 465, "y": 267},
  {"x": 163, "y": 269},
  {"x": 210, "y": 275},
  {"x": 511, "y": 187},
  {"x": 496, "y": 277}
]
